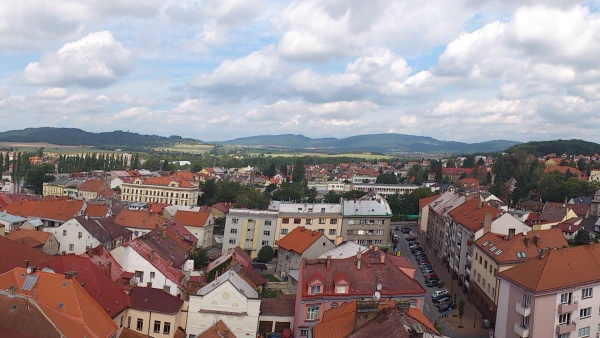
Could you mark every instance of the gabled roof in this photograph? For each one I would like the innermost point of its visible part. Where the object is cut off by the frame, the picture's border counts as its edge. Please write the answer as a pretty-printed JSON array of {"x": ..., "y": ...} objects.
[
  {"x": 15, "y": 254},
  {"x": 155, "y": 300},
  {"x": 38, "y": 236},
  {"x": 64, "y": 301},
  {"x": 99, "y": 228},
  {"x": 20, "y": 316},
  {"x": 166, "y": 244},
  {"x": 93, "y": 186},
  {"x": 471, "y": 215},
  {"x": 521, "y": 246},
  {"x": 165, "y": 267},
  {"x": 237, "y": 254},
  {"x": 101, "y": 257},
  {"x": 139, "y": 219},
  {"x": 217, "y": 330},
  {"x": 251, "y": 276},
  {"x": 426, "y": 200},
  {"x": 166, "y": 181},
  {"x": 60, "y": 209},
  {"x": 558, "y": 269},
  {"x": 96, "y": 282},
  {"x": 192, "y": 218},
  {"x": 299, "y": 239},
  {"x": 569, "y": 227},
  {"x": 223, "y": 206},
  {"x": 235, "y": 280},
  {"x": 283, "y": 305},
  {"x": 97, "y": 210}
]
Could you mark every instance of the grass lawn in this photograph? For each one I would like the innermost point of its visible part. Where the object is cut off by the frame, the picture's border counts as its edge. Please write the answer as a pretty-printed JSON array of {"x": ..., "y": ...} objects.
[{"x": 272, "y": 278}]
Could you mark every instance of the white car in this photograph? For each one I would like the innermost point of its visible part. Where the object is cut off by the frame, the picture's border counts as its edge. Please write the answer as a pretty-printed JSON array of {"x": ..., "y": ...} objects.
[{"x": 438, "y": 293}]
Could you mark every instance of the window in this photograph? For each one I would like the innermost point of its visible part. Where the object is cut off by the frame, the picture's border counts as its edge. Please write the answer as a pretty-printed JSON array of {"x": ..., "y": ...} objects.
[
  {"x": 304, "y": 332},
  {"x": 265, "y": 243},
  {"x": 71, "y": 247},
  {"x": 233, "y": 231},
  {"x": 564, "y": 335},
  {"x": 566, "y": 298},
  {"x": 322, "y": 220},
  {"x": 308, "y": 221},
  {"x": 340, "y": 289},
  {"x": 235, "y": 221},
  {"x": 297, "y": 220},
  {"x": 331, "y": 232},
  {"x": 266, "y": 233},
  {"x": 232, "y": 241},
  {"x": 79, "y": 234},
  {"x": 152, "y": 274},
  {"x": 379, "y": 232},
  {"x": 349, "y": 232},
  {"x": 284, "y": 231},
  {"x": 315, "y": 289},
  {"x": 380, "y": 222},
  {"x": 526, "y": 300},
  {"x": 369, "y": 241},
  {"x": 378, "y": 241},
  {"x": 322, "y": 209},
  {"x": 64, "y": 232},
  {"x": 586, "y": 293},
  {"x": 485, "y": 264},
  {"x": 521, "y": 255},
  {"x": 140, "y": 276},
  {"x": 312, "y": 313},
  {"x": 321, "y": 231},
  {"x": 129, "y": 322},
  {"x": 156, "y": 326},
  {"x": 333, "y": 221},
  {"x": 267, "y": 222},
  {"x": 285, "y": 221},
  {"x": 361, "y": 241},
  {"x": 167, "y": 328},
  {"x": 584, "y": 313},
  {"x": 140, "y": 324},
  {"x": 524, "y": 321},
  {"x": 564, "y": 318},
  {"x": 362, "y": 221},
  {"x": 584, "y": 332}
]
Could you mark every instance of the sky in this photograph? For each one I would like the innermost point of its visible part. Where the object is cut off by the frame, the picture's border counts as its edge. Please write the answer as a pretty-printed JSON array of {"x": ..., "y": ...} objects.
[{"x": 213, "y": 70}]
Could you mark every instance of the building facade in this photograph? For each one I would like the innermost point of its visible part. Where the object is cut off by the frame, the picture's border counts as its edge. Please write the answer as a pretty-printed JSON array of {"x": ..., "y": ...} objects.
[
  {"x": 249, "y": 229},
  {"x": 367, "y": 220},
  {"x": 160, "y": 190},
  {"x": 323, "y": 217}
]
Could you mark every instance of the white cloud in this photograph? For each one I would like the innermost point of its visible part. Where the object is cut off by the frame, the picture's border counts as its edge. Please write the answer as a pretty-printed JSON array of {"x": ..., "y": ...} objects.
[{"x": 96, "y": 60}]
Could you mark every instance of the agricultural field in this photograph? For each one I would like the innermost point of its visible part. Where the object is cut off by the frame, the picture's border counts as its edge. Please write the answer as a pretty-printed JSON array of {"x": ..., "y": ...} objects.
[
  {"x": 302, "y": 154},
  {"x": 187, "y": 148},
  {"x": 52, "y": 148}
]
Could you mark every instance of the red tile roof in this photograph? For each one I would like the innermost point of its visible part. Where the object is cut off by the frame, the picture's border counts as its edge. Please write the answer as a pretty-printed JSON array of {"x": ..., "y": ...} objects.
[
  {"x": 139, "y": 219},
  {"x": 217, "y": 330},
  {"x": 155, "y": 300},
  {"x": 166, "y": 181},
  {"x": 21, "y": 317},
  {"x": 280, "y": 306},
  {"x": 192, "y": 218},
  {"x": 95, "y": 281},
  {"x": 14, "y": 255},
  {"x": 64, "y": 301},
  {"x": 426, "y": 200},
  {"x": 51, "y": 208},
  {"x": 38, "y": 236},
  {"x": 299, "y": 239},
  {"x": 93, "y": 186},
  {"x": 471, "y": 215},
  {"x": 100, "y": 256},
  {"x": 174, "y": 274},
  {"x": 558, "y": 269},
  {"x": 97, "y": 210}
]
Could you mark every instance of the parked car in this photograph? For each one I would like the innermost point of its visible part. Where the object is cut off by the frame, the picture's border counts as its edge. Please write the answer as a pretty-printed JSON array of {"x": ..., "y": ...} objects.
[
  {"x": 438, "y": 293},
  {"x": 446, "y": 308},
  {"x": 424, "y": 265},
  {"x": 445, "y": 301},
  {"x": 427, "y": 270},
  {"x": 405, "y": 230},
  {"x": 431, "y": 275},
  {"x": 433, "y": 282},
  {"x": 411, "y": 238},
  {"x": 435, "y": 299},
  {"x": 273, "y": 335}
]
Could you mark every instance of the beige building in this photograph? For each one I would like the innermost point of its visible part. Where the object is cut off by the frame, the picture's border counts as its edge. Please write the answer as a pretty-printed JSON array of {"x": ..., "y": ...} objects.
[
  {"x": 249, "y": 229},
  {"x": 160, "y": 190},
  {"x": 153, "y": 312},
  {"x": 55, "y": 188},
  {"x": 323, "y": 217},
  {"x": 367, "y": 220}
]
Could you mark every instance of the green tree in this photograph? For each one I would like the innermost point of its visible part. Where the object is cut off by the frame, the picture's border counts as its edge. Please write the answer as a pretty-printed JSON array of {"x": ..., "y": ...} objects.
[
  {"x": 219, "y": 222},
  {"x": 200, "y": 258},
  {"x": 209, "y": 189},
  {"x": 251, "y": 198},
  {"x": 582, "y": 237},
  {"x": 469, "y": 162},
  {"x": 581, "y": 165},
  {"x": 265, "y": 254},
  {"x": 410, "y": 204},
  {"x": 166, "y": 166},
  {"x": 37, "y": 176},
  {"x": 461, "y": 310},
  {"x": 354, "y": 194},
  {"x": 271, "y": 170},
  {"x": 331, "y": 197},
  {"x": 298, "y": 171},
  {"x": 387, "y": 178}
]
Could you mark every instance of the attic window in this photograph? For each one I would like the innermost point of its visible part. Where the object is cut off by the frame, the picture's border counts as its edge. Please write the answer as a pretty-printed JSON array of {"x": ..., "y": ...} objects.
[
  {"x": 493, "y": 248},
  {"x": 498, "y": 252},
  {"x": 521, "y": 255},
  {"x": 22, "y": 275},
  {"x": 486, "y": 243},
  {"x": 13, "y": 308}
]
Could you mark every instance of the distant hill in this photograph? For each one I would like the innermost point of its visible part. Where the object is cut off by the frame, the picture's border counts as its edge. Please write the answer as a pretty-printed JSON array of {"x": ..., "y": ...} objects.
[
  {"x": 75, "y": 137},
  {"x": 380, "y": 143},
  {"x": 559, "y": 147}
]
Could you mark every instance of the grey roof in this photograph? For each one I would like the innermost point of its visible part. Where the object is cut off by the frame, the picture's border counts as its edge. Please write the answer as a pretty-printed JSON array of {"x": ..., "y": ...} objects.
[
  {"x": 344, "y": 250},
  {"x": 11, "y": 218},
  {"x": 377, "y": 206},
  {"x": 235, "y": 280}
]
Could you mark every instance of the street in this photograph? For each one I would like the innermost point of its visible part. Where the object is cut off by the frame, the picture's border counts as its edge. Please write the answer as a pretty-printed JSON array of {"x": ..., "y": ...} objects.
[{"x": 448, "y": 321}]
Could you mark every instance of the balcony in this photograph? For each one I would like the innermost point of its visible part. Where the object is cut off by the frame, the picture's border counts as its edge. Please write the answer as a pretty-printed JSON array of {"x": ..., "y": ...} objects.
[
  {"x": 469, "y": 258},
  {"x": 523, "y": 310},
  {"x": 565, "y": 308},
  {"x": 522, "y": 331},
  {"x": 468, "y": 269},
  {"x": 565, "y": 328}
]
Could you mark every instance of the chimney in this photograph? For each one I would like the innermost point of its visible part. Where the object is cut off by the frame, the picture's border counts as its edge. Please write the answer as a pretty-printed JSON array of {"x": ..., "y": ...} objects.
[
  {"x": 165, "y": 235},
  {"x": 26, "y": 263},
  {"x": 536, "y": 239},
  {"x": 479, "y": 204},
  {"x": 328, "y": 264},
  {"x": 382, "y": 257},
  {"x": 358, "y": 258},
  {"x": 527, "y": 241},
  {"x": 511, "y": 233},
  {"x": 487, "y": 223},
  {"x": 376, "y": 248},
  {"x": 109, "y": 267},
  {"x": 151, "y": 254},
  {"x": 149, "y": 284},
  {"x": 366, "y": 309},
  {"x": 89, "y": 251},
  {"x": 12, "y": 291},
  {"x": 70, "y": 274}
]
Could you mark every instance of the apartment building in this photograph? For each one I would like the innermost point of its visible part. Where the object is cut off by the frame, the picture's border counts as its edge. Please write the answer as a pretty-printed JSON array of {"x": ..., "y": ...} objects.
[
  {"x": 438, "y": 221},
  {"x": 160, "y": 190},
  {"x": 496, "y": 253},
  {"x": 367, "y": 220},
  {"x": 553, "y": 295},
  {"x": 249, "y": 229},
  {"x": 325, "y": 218},
  {"x": 385, "y": 189}
]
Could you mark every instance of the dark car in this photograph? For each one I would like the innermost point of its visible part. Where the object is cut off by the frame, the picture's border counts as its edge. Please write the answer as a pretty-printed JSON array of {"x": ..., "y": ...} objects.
[
  {"x": 433, "y": 282},
  {"x": 405, "y": 230},
  {"x": 431, "y": 275},
  {"x": 446, "y": 308},
  {"x": 411, "y": 238},
  {"x": 274, "y": 335},
  {"x": 416, "y": 250},
  {"x": 442, "y": 302}
]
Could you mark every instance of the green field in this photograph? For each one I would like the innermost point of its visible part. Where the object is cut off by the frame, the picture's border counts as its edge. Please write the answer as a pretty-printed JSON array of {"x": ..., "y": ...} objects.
[
  {"x": 352, "y": 155},
  {"x": 187, "y": 148}
]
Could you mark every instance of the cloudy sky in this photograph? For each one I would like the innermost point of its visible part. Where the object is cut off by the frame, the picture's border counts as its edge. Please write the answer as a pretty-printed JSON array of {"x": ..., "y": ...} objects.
[{"x": 462, "y": 70}]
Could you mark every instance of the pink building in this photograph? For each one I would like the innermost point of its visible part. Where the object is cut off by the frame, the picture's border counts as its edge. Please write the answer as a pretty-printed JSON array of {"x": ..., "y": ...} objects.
[
  {"x": 328, "y": 283},
  {"x": 554, "y": 295}
]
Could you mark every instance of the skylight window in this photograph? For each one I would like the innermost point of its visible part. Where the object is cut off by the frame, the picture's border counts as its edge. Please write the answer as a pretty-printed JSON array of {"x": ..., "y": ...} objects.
[
  {"x": 498, "y": 252},
  {"x": 493, "y": 248},
  {"x": 486, "y": 243},
  {"x": 521, "y": 255}
]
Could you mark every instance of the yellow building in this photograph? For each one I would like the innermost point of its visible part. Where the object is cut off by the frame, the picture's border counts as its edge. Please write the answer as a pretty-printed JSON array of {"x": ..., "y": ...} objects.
[
  {"x": 160, "y": 190},
  {"x": 153, "y": 312},
  {"x": 323, "y": 217}
]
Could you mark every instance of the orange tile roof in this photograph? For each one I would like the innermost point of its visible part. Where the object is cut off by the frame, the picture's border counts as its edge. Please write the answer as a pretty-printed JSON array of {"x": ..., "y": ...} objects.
[
  {"x": 184, "y": 175},
  {"x": 217, "y": 330},
  {"x": 299, "y": 239},
  {"x": 426, "y": 200},
  {"x": 336, "y": 322},
  {"x": 165, "y": 181},
  {"x": 139, "y": 219},
  {"x": 509, "y": 247},
  {"x": 471, "y": 216},
  {"x": 49, "y": 208},
  {"x": 97, "y": 210},
  {"x": 192, "y": 218},
  {"x": 39, "y": 236},
  {"x": 558, "y": 269},
  {"x": 563, "y": 169},
  {"x": 93, "y": 186},
  {"x": 64, "y": 301}
]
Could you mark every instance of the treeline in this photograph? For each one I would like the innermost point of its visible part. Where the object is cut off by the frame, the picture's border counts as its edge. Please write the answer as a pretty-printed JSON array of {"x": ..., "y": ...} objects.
[
  {"x": 558, "y": 147},
  {"x": 93, "y": 161}
]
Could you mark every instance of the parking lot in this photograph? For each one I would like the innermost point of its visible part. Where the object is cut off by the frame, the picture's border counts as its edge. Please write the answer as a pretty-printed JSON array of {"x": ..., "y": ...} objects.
[{"x": 448, "y": 320}]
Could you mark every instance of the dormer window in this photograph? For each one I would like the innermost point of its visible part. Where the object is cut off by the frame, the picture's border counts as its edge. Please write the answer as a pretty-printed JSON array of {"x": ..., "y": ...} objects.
[
  {"x": 315, "y": 289},
  {"x": 341, "y": 289}
]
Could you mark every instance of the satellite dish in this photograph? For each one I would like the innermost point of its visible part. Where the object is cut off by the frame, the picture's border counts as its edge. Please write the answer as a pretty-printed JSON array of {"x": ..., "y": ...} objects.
[
  {"x": 376, "y": 295},
  {"x": 29, "y": 270},
  {"x": 378, "y": 286}
]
